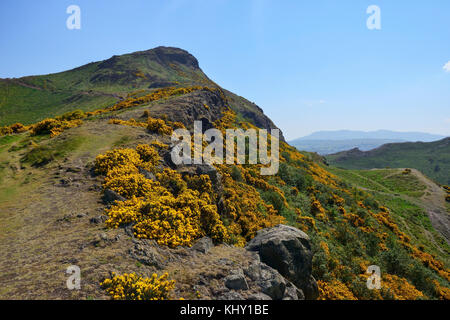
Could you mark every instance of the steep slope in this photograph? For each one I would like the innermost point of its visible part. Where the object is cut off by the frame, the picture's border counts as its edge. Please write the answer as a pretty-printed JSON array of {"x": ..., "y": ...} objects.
[
  {"x": 103, "y": 194},
  {"x": 431, "y": 158},
  {"x": 412, "y": 188}
]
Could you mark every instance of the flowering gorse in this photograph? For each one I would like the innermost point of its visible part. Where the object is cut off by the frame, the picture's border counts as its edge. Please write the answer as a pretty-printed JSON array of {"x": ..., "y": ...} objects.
[{"x": 133, "y": 287}]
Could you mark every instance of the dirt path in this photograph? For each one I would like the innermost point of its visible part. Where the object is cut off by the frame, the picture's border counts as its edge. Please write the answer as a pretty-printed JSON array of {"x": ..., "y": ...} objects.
[{"x": 433, "y": 201}]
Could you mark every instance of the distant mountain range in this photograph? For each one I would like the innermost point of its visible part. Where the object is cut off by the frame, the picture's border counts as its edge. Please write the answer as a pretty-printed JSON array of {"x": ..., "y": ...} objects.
[
  {"x": 328, "y": 142},
  {"x": 431, "y": 158}
]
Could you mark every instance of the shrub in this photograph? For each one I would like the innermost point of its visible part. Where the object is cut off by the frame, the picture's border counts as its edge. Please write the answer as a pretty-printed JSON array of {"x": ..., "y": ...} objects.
[
  {"x": 134, "y": 287},
  {"x": 148, "y": 154},
  {"x": 73, "y": 115},
  {"x": 128, "y": 185},
  {"x": 236, "y": 173},
  {"x": 116, "y": 158},
  {"x": 334, "y": 290},
  {"x": 275, "y": 199},
  {"x": 158, "y": 126},
  {"x": 54, "y": 127}
]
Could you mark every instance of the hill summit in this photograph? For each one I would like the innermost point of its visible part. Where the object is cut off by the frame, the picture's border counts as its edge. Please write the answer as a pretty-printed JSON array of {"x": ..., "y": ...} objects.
[{"x": 103, "y": 83}]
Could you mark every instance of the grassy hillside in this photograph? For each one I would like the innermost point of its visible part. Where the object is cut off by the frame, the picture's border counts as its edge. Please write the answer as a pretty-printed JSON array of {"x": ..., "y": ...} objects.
[
  {"x": 95, "y": 85},
  {"x": 65, "y": 166},
  {"x": 412, "y": 197},
  {"x": 431, "y": 158},
  {"x": 102, "y": 84}
]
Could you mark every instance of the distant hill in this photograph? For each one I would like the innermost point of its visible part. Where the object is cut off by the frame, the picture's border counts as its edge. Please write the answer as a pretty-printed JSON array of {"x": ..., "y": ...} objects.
[
  {"x": 431, "y": 158},
  {"x": 328, "y": 142},
  {"x": 324, "y": 147}
]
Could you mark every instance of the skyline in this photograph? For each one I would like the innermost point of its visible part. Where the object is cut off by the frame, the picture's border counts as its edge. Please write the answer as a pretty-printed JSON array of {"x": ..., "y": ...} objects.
[{"x": 317, "y": 62}]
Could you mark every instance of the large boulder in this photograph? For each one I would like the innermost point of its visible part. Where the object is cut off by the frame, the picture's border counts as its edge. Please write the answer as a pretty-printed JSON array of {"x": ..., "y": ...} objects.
[{"x": 287, "y": 250}]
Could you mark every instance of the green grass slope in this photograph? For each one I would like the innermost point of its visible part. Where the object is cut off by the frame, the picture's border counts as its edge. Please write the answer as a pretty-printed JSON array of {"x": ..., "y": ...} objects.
[
  {"x": 95, "y": 85},
  {"x": 431, "y": 158}
]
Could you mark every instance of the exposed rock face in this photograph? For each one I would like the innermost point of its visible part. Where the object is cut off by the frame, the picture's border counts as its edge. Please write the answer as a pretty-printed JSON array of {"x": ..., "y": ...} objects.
[
  {"x": 260, "y": 282},
  {"x": 287, "y": 250},
  {"x": 203, "y": 245},
  {"x": 110, "y": 196},
  {"x": 221, "y": 272},
  {"x": 236, "y": 281}
]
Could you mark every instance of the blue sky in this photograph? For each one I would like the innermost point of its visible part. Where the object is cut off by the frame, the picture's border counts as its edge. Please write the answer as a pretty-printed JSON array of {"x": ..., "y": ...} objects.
[{"x": 311, "y": 65}]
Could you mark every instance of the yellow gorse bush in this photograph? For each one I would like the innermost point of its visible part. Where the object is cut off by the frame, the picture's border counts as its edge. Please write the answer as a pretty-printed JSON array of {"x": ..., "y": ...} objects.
[
  {"x": 334, "y": 290},
  {"x": 165, "y": 210},
  {"x": 12, "y": 129},
  {"x": 160, "y": 126},
  {"x": 133, "y": 287},
  {"x": 117, "y": 158}
]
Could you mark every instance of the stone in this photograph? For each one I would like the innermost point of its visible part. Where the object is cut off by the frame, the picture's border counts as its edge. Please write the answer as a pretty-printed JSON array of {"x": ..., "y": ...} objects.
[
  {"x": 147, "y": 254},
  {"x": 293, "y": 293},
  {"x": 236, "y": 281},
  {"x": 110, "y": 196},
  {"x": 147, "y": 174},
  {"x": 231, "y": 295},
  {"x": 98, "y": 219},
  {"x": 259, "y": 296},
  {"x": 271, "y": 282},
  {"x": 203, "y": 245},
  {"x": 287, "y": 250}
]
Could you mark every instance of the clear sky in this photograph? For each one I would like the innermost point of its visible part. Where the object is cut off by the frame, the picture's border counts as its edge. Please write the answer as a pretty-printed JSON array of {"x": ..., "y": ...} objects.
[{"x": 311, "y": 65}]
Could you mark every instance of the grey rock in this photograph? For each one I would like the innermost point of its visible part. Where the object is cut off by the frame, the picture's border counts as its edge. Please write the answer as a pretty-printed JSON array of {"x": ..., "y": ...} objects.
[
  {"x": 203, "y": 245},
  {"x": 148, "y": 255},
  {"x": 98, "y": 219},
  {"x": 147, "y": 174},
  {"x": 287, "y": 250},
  {"x": 259, "y": 296},
  {"x": 253, "y": 271},
  {"x": 231, "y": 295},
  {"x": 293, "y": 293},
  {"x": 110, "y": 196},
  {"x": 272, "y": 283},
  {"x": 236, "y": 281}
]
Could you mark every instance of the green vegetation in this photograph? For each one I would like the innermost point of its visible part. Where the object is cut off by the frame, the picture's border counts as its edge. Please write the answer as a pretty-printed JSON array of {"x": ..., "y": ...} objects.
[
  {"x": 430, "y": 158},
  {"x": 384, "y": 180},
  {"x": 55, "y": 149},
  {"x": 401, "y": 193},
  {"x": 93, "y": 86}
]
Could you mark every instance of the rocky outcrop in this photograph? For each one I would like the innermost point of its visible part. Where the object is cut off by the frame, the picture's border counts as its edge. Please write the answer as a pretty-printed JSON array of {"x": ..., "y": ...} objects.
[
  {"x": 287, "y": 250},
  {"x": 260, "y": 282},
  {"x": 110, "y": 196},
  {"x": 221, "y": 272}
]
